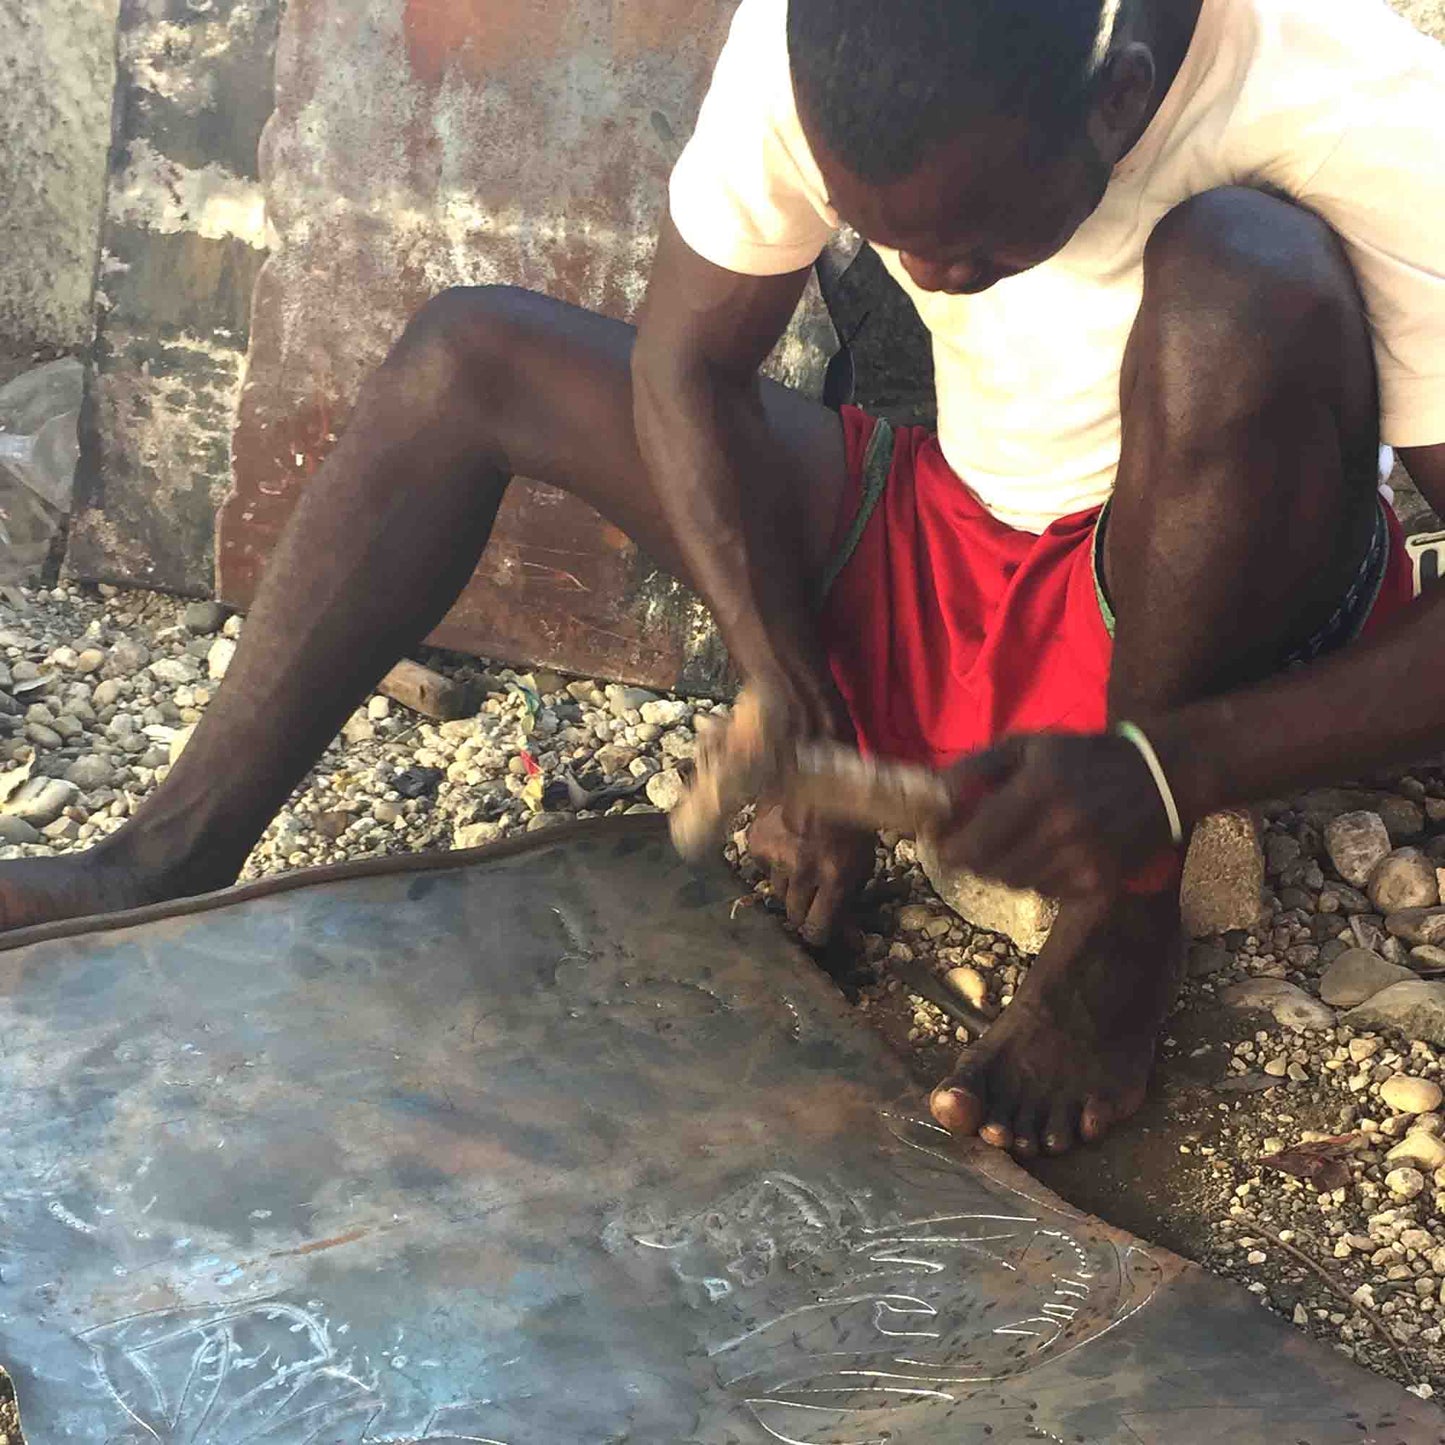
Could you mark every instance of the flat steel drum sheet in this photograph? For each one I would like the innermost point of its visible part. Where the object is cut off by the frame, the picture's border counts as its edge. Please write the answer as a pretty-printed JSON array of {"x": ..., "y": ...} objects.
[{"x": 554, "y": 1145}]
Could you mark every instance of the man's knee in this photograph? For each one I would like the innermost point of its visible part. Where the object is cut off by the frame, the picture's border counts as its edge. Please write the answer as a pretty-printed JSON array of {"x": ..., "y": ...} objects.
[
  {"x": 1258, "y": 285},
  {"x": 464, "y": 340}
]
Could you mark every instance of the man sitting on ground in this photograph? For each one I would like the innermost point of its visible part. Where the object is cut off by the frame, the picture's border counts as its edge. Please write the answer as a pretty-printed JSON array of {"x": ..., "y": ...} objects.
[{"x": 1183, "y": 260}]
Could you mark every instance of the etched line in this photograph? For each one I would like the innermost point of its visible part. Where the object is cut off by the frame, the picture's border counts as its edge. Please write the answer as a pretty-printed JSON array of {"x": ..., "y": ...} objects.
[{"x": 71, "y": 1221}]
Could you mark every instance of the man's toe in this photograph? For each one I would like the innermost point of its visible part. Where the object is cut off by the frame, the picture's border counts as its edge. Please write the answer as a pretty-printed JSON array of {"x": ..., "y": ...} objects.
[
  {"x": 1059, "y": 1133},
  {"x": 1102, "y": 1112},
  {"x": 1098, "y": 1116},
  {"x": 1095, "y": 1119},
  {"x": 958, "y": 1104},
  {"x": 1000, "y": 1108},
  {"x": 1027, "y": 1128},
  {"x": 997, "y": 1134}
]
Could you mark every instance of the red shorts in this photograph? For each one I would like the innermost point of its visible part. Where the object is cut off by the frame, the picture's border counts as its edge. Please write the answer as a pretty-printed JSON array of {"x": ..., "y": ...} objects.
[{"x": 948, "y": 630}]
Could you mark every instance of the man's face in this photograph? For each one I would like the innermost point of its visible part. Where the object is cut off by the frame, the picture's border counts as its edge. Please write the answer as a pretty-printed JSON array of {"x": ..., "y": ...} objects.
[{"x": 995, "y": 201}]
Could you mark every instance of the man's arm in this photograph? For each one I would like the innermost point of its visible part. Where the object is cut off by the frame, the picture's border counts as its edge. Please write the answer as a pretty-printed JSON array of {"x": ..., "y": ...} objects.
[{"x": 702, "y": 335}]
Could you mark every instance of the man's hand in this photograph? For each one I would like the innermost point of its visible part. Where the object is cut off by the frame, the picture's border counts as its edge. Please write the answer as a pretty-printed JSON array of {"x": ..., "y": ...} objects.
[
  {"x": 1072, "y": 817},
  {"x": 815, "y": 866}
]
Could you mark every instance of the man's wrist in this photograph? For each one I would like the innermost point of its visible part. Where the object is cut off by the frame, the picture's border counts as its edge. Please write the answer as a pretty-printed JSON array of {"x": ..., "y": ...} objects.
[
  {"x": 805, "y": 690},
  {"x": 1196, "y": 764}
]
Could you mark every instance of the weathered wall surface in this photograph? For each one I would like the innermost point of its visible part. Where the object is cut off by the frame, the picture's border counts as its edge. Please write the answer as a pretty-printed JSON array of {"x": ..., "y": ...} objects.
[
  {"x": 419, "y": 145},
  {"x": 184, "y": 236},
  {"x": 57, "y": 75}
]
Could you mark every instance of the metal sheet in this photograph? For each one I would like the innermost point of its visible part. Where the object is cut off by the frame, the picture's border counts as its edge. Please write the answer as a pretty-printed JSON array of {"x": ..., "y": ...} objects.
[
  {"x": 549, "y": 1148},
  {"x": 420, "y": 145}
]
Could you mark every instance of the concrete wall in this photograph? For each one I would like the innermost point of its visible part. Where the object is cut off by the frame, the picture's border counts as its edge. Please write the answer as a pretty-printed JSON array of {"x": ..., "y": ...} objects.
[
  {"x": 184, "y": 237},
  {"x": 57, "y": 75}
]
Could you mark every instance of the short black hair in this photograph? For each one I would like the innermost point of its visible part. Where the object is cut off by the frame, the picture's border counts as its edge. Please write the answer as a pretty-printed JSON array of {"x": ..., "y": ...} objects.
[{"x": 884, "y": 81}]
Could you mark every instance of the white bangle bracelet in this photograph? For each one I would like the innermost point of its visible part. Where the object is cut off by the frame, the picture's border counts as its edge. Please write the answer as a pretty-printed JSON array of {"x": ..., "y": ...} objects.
[{"x": 1135, "y": 734}]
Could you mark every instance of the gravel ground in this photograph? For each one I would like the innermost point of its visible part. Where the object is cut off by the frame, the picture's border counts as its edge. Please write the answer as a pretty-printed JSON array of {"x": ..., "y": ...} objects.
[{"x": 1314, "y": 1061}]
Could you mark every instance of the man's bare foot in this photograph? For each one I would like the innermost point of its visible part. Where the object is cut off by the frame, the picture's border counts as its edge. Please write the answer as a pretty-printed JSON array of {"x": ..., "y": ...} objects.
[
  {"x": 816, "y": 866},
  {"x": 79, "y": 885},
  {"x": 1071, "y": 1056}
]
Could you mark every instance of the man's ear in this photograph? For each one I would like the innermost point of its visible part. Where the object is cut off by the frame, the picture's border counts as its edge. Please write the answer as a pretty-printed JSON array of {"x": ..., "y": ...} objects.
[{"x": 1124, "y": 90}]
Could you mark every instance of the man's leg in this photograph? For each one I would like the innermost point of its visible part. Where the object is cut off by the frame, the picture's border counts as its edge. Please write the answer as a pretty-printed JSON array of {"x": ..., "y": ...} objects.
[
  {"x": 1244, "y": 504},
  {"x": 484, "y": 385}
]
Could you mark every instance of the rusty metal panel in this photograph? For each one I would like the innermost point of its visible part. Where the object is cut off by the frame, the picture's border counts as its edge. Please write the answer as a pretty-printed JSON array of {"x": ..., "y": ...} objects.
[
  {"x": 545, "y": 1147},
  {"x": 420, "y": 144}
]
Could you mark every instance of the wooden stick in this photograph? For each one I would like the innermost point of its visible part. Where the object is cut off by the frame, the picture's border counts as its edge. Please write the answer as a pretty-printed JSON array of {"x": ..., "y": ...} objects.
[
  {"x": 917, "y": 978},
  {"x": 424, "y": 691},
  {"x": 1381, "y": 1328}
]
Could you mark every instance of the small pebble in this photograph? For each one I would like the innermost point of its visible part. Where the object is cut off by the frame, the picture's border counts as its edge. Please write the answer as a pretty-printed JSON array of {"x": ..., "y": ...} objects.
[
  {"x": 665, "y": 789},
  {"x": 1428, "y": 958},
  {"x": 204, "y": 617},
  {"x": 914, "y": 917},
  {"x": 969, "y": 984},
  {"x": 1425, "y": 1151},
  {"x": 1405, "y": 1183}
]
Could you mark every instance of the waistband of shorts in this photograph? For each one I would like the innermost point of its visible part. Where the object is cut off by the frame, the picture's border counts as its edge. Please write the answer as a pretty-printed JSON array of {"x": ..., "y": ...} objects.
[{"x": 1344, "y": 624}]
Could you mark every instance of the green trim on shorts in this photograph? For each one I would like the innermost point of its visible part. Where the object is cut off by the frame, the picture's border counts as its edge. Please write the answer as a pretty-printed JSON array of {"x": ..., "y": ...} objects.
[
  {"x": 1096, "y": 556},
  {"x": 877, "y": 467}
]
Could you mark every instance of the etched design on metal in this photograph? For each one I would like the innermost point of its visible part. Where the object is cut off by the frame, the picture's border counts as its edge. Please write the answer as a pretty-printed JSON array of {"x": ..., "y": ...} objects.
[{"x": 867, "y": 1312}]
